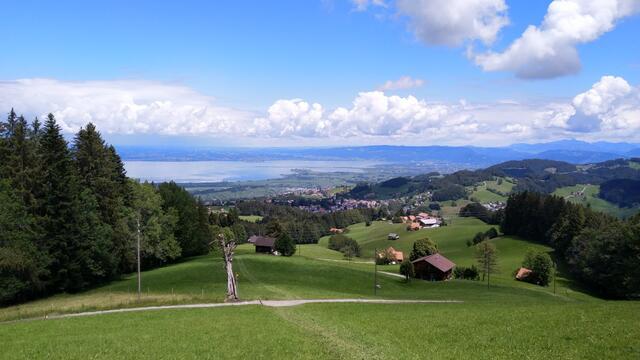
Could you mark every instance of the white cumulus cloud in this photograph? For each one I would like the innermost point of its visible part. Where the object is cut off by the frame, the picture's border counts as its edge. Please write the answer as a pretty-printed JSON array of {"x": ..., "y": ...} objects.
[
  {"x": 122, "y": 107},
  {"x": 609, "y": 110},
  {"x": 549, "y": 50},
  {"x": 452, "y": 22}
]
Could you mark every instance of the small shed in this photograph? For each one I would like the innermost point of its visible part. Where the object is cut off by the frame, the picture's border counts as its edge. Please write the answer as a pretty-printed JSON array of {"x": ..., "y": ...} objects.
[
  {"x": 433, "y": 267},
  {"x": 263, "y": 244},
  {"x": 393, "y": 236}
]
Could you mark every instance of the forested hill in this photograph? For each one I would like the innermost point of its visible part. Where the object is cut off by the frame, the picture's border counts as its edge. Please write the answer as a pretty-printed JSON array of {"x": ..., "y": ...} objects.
[
  {"x": 543, "y": 176},
  {"x": 69, "y": 216}
]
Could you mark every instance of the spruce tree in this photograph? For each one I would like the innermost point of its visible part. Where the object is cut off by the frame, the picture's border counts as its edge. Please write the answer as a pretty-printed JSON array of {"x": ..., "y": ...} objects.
[{"x": 58, "y": 206}]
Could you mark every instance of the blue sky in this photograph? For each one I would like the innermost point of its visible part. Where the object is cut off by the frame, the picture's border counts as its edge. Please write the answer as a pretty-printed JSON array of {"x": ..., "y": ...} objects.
[{"x": 251, "y": 72}]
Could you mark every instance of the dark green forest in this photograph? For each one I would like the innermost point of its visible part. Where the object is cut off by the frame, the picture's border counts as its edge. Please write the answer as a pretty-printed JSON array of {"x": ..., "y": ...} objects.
[
  {"x": 599, "y": 250},
  {"x": 69, "y": 216}
]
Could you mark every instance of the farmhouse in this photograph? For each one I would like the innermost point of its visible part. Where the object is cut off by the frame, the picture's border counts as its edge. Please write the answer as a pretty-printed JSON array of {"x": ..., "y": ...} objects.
[
  {"x": 429, "y": 222},
  {"x": 523, "y": 273},
  {"x": 433, "y": 267},
  {"x": 395, "y": 255},
  {"x": 263, "y": 244},
  {"x": 414, "y": 226},
  {"x": 336, "y": 231}
]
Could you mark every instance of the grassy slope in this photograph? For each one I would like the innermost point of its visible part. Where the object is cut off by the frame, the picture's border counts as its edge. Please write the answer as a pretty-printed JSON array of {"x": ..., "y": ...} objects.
[
  {"x": 591, "y": 198},
  {"x": 339, "y": 331},
  {"x": 451, "y": 242},
  {"x": 484, "y": 196},
  {"x": 509, "y": 320}
]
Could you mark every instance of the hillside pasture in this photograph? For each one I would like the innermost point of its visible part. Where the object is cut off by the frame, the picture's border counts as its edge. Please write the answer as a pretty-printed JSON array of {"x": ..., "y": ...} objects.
[
  {"x": 482, "y": 192},
  {"x": 589, "y": 197}
]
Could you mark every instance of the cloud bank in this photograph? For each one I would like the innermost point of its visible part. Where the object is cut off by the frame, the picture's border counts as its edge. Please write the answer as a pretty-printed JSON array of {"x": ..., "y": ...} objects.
[
  {"x": 609, "y": 110},
  {"x": 542, "y": 51}
]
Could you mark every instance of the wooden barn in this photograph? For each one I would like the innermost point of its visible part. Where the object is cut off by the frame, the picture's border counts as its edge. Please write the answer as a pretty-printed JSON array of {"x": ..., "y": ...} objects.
[
  {"x": 263, "y": 244},
  {"x": 433, "y": 267}
]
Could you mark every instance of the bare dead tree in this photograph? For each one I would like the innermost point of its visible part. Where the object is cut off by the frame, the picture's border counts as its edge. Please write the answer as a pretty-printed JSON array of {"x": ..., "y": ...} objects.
[{"x": 228, "y": 248}]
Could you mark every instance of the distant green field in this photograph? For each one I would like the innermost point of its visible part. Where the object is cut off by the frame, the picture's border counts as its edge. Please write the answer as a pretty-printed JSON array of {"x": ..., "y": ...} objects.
[
  {"x": 590, "y": 198},
  {"x": 251, "y": 218},
  {"x": 482, "y": 193}
]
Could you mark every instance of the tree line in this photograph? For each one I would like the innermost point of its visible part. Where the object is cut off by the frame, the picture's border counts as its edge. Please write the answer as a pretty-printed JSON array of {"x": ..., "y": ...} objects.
[
  {"x": 304, "y": 227},
  {"x": 600, "y": 250},
  {"x": 70, "y": 217}
]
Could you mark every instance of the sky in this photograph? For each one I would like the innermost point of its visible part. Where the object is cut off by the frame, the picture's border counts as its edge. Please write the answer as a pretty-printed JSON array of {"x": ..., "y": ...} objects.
[{"x": 327, "y": 72}]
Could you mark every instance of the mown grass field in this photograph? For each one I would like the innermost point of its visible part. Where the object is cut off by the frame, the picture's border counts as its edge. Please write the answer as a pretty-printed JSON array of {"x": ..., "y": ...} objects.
[
  {"x": 339, "y": 331},
  {"x": 482, "y": 193},
  {"x": 591, "y": 199},
  {"x": 508, "y": 320},
  {"x": 251, "y": 218}
]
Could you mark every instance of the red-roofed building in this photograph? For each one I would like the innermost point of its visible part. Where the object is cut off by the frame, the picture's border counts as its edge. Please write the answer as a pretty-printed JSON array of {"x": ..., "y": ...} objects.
[
  {"x": 523, "y": 273},
  {"x": 433, "y": 267},
  {"x": 395, "y": 255}
]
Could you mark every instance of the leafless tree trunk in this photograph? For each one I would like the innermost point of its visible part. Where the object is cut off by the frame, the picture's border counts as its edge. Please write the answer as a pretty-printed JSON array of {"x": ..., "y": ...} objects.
[{"x": 228, "y": 248}]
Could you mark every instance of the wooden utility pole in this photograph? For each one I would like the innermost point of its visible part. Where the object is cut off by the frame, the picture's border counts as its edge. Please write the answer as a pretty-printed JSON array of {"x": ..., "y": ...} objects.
[
  {"x": 375, "y": 272},
  {"x": 554, "y": 277},
  {"x": 138, "y": 256},
  {"x": 228, "y": 248}
]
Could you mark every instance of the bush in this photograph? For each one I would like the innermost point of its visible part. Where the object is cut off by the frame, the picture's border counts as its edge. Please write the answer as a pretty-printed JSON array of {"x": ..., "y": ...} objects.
[
  {"x": 491, "y": 233},
  {"x": 345, "y": 245},
  {"x": 434, "y": 206},
  {"x": 368, "y": 223},
  {"x": 350, "y": 252},
  {"x": 423, "y": 247},
  {"x": 541, "y": 267},
  {"x": 478, "y": 238},
  {"x": 337, "y": 242},
  {"x": 285, "y": 245},
  {"x": 406, "y": 269},
  {"x": 467, "y": 273}
]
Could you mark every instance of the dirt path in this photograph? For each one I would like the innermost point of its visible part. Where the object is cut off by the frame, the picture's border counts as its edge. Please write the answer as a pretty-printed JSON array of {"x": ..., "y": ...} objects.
[{"x": 269, "y": 303}]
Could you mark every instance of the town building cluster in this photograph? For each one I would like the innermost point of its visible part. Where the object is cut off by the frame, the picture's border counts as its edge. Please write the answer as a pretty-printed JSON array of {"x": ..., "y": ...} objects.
[{"x": 421, "y": 221}]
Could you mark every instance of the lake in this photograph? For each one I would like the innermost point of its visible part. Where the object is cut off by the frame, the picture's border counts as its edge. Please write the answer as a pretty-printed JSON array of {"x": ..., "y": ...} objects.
[{"x": 214, "y": 171}]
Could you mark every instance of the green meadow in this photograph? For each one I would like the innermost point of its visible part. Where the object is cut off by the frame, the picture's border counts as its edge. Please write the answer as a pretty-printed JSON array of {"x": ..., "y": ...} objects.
[
  {"x": 508, "y": 320},
  {"x": 482, "y": 192},
  {"x": 590, "y": 198}
]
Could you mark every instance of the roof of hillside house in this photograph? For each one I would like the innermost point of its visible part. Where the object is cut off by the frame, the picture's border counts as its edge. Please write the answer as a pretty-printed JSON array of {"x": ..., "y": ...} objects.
[
  {"x": 398, "y": 255},
  {"x": 424, "y": 215},
  {"x": 438, "y": 261},
  {"x": 523, "y": 273},
  {"x": 414, "y": 226},
  {"x": 430, "y": 221},
  {"x": 262, "y": 240}
]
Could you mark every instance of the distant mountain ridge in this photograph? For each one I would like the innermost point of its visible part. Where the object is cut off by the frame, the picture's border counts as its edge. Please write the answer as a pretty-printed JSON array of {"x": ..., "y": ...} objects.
[{"x": 573, "y": 151}]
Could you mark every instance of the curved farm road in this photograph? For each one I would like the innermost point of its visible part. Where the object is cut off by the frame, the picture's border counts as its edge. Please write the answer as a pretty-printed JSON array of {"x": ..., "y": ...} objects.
[{"x": 270, "y": 303}]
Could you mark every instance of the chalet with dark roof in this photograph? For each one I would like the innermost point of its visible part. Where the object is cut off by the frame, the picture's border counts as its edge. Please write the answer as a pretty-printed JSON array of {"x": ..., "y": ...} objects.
[
  {"x": 433, "y": 267},
  {"x": 263, "y": 244}
]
